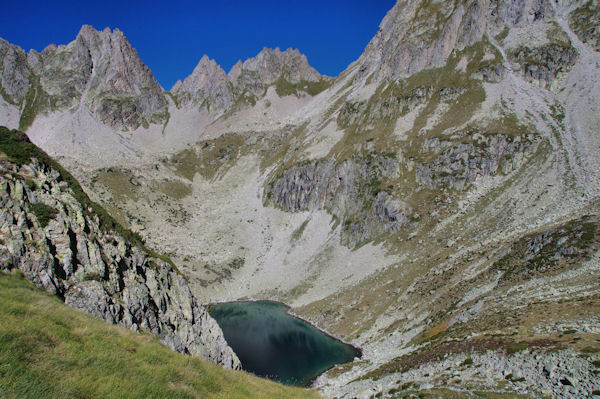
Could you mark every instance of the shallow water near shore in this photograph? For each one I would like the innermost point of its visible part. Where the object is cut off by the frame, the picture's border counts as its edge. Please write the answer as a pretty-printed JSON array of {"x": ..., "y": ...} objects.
[{"x": 273, "y": 344}]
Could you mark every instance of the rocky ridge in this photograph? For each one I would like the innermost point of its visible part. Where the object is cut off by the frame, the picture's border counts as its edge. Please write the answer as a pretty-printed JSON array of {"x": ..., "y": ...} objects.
[
  {"x": 60, "y": 245},
  {"x": 98, "y": 70},
  {"x": 209, "y": 86}
]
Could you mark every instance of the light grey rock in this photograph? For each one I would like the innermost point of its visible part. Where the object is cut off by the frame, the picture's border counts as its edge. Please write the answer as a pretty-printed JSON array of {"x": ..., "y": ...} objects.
[
  {"x": 15, "y": 73},
  {"x": 416, "y": 35},
  {"x": 96, "y": 270},
  {"x": 99, "y": 70},
  {"x": 255, "y": 74},
  {"x": 350, "y": 190},
  {"x": 207, "y": 86},
  {"x": 459, "y": 163}
]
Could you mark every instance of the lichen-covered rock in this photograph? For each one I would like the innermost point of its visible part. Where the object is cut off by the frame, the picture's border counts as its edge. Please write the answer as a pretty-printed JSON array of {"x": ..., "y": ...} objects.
[{"x": 96, "y": 270}]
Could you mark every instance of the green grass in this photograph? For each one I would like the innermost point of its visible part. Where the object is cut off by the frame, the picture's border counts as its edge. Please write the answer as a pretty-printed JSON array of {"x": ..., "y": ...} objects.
[
  {"x": 285, "y": 88},
  {"x": 297, "y": 234},
  {"x": 43, "y": 213},
  {"x": 48, "y": 350},
  {"x": 36, "y": 101}
]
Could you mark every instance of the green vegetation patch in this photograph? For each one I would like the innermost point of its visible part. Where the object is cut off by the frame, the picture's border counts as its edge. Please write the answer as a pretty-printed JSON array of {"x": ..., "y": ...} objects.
[
  {"x": 549, "y": 252},
  {"x": 297, "y": 234},
  {"x": 48, "y": 350},
  {"x": 44, "y": 213},
  {"x": 209, "y": 158},
  {"x": 175, "y": 189},
  {"x": 283, "y": 87},
  {"x": 36, "y": 102},
  {"x": 585, "y": 22}
]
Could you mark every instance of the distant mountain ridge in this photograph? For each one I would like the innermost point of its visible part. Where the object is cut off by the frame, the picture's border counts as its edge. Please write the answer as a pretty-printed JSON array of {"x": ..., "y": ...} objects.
[{"x": 102, "y": 71}]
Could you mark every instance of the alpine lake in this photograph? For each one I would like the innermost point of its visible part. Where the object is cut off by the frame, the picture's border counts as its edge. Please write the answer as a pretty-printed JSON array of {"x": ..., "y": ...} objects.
[{"x": 273, "y": 344}]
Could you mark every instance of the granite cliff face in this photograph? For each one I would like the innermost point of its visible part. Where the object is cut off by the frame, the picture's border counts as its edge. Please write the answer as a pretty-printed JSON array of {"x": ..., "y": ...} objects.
[
  {"x": 62, "y": 246},
  {"x": 418, "y": 35},
  {"x": 206, "y": 86}
]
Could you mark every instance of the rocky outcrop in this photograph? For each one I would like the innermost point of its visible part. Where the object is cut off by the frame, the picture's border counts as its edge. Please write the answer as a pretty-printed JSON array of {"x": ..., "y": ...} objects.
[
  {"x": 209, "y": 86},
  {"x": 98, "y": 70},
  {"x": 103, "y": 71},
  {"x": 354, "y": 191},
  {"x": 458, "y": 163},
  {"x": 268, "y": 66},
  {"x": 585, "y": 22},
  {"x": 14, "y": 81},
  {"x": 391, "y": 104},
  {"x": 543, "y": 65},
  {"x": 62, "y": 246}
]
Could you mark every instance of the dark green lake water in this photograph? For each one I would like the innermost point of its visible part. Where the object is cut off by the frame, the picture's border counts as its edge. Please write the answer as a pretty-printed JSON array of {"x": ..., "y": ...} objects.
[{"x": 270, "y": 343}]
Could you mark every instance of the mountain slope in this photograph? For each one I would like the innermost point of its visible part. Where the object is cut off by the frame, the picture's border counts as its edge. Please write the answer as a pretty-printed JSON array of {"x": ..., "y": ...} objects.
[
  {"x": 49, "y": 350},
  {"x": 70, "y": 247},
  {"x": 435, "y": 204}
]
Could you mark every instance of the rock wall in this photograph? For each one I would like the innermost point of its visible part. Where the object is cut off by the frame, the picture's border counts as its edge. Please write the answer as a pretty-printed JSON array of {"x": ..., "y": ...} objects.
[
  {"x": 47, "y": 235},
  {"x": 543, "y": 65},
  {"x": 353, "y": 191},
  {"x": 457, "y": 163}
]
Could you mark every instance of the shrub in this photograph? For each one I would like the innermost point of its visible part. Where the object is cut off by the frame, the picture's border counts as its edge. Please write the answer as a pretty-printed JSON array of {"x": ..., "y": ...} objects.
[{"x": 43, "y": 213}]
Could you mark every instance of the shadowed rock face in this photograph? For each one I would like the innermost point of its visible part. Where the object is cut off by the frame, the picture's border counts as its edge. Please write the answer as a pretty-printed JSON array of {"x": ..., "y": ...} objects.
[
  {"x": 457, "y": 164},
  {"x": 544, "y": 64},
  {"x": 15, "y": 73},
  {"x": 350, "y": 191},
  {"x": 96, "y": 270}
]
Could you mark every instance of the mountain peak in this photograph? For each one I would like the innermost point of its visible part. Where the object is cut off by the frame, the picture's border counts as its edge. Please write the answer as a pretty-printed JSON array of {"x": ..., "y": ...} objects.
[
  {"x": 271, "y": 64},
  {"x": 206, "y": 85}
]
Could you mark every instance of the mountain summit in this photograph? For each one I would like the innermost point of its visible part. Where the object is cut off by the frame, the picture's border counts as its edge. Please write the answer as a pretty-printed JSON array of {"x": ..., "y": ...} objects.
[{"x": 98, "y": 70}]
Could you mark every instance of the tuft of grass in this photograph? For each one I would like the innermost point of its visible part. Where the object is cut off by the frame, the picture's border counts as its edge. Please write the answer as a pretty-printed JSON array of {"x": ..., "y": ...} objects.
[
  {"x": 48, "y": 350},
  {"x": 44, "y": 213},
  {"x": 517, "y": 347},
  {"x": 297, "y": 234}
]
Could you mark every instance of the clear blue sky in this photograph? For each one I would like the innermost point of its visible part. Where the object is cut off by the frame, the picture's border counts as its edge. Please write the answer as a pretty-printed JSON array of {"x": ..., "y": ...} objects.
[{"x": 171, "y": 37}]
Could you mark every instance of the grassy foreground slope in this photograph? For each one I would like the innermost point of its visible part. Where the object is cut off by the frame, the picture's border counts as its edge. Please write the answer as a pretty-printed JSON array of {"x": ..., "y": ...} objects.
[{"x": 49, "y": 350}]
